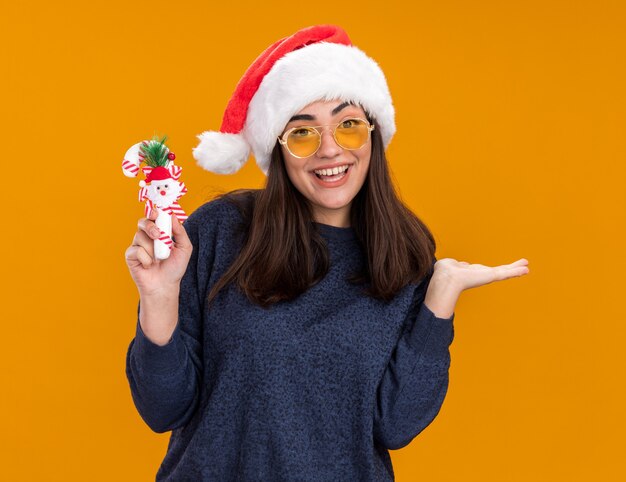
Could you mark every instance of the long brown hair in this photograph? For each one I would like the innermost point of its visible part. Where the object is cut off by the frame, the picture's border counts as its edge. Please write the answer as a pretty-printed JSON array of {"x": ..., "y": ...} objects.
[{"x": 284, "y": 254}]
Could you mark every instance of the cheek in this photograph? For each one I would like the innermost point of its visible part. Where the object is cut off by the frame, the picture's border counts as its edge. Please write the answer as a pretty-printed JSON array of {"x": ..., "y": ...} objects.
[
  {"x": 364, "y": 160},
  {"x": 294, "y": 170}
]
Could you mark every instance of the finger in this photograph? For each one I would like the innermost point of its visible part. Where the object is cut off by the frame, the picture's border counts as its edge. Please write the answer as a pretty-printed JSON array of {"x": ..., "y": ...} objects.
[
  {"x": 518, "y": 268},
  {"x": 143, "y": 240},
  {"x": 521, "y": 261},
  {"x": 180, "y": 234},
  {"x": 137, "y": 253},
  {"x": 150, "y": 228},
  {"x": 506, "y": 271}
]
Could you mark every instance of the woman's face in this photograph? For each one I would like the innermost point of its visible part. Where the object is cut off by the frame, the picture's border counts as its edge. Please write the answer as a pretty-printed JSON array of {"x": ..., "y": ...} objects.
[{"x": 330, "y": 199}]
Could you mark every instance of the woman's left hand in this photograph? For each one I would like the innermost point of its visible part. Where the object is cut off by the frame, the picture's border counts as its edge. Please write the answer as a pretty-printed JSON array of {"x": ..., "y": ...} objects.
[{"x": 451, "y": 277}]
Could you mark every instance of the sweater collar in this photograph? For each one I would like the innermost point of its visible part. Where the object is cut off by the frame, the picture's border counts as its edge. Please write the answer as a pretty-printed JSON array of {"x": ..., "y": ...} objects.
[{"x": 334, "y": 232}]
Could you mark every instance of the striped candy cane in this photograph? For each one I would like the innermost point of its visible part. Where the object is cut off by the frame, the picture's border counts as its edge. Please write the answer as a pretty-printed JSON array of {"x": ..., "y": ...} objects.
[
  {"x": 132, "y": 159},
  {"x": 163, "y": 245}
]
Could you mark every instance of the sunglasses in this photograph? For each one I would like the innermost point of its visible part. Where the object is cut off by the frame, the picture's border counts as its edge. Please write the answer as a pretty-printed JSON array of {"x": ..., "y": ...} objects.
[{"x": 304, "y": 141}]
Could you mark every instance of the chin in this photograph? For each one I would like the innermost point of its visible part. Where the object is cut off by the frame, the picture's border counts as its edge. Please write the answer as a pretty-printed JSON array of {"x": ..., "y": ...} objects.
[
  {"x": 335, "y": 201},
  {"x": 339, "y": 195}
]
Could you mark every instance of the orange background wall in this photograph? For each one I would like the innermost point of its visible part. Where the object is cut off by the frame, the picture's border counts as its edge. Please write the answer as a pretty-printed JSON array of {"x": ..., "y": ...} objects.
[{"x": 510, "y": 144}]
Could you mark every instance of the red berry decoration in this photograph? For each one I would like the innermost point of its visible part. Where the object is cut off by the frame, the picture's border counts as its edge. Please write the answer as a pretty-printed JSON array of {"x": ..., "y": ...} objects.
[{"x": 171, "y": 156}]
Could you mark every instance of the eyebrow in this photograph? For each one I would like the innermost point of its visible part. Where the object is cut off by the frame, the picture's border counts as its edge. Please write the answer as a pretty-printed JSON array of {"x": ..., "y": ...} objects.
[{"x": 335, "y": 111}]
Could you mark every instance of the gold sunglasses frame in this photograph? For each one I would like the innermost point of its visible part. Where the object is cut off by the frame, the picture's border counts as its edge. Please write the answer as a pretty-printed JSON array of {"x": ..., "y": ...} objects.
[{"x": 283, "y": 139}]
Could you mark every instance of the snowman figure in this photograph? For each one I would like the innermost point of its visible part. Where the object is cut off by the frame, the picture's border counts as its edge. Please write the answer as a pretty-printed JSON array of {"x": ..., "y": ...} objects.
[{"x": 161, "y": 189}]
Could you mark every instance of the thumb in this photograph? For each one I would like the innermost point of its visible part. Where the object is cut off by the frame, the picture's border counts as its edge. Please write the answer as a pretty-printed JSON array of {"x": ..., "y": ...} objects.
[{"x": 180, "y": 234}]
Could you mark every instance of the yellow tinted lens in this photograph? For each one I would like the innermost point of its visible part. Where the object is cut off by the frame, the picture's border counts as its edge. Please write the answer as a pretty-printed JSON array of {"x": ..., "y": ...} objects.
[
  {"x": 352, "y": 134},
  {"x": 303, "y": 141}
]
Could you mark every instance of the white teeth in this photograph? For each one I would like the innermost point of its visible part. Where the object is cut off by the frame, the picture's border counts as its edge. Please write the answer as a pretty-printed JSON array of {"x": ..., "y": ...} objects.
[{"x": 331, "y": 172}]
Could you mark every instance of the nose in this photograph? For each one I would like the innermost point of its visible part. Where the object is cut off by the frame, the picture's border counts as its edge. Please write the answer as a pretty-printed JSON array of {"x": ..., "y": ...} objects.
[{"x": 328, "y": 145}]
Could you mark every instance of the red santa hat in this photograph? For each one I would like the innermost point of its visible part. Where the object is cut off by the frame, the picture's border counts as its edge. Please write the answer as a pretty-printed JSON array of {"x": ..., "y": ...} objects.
[
  {"x": 315, "y": 63},
  {"x": 156, "y": 174}
]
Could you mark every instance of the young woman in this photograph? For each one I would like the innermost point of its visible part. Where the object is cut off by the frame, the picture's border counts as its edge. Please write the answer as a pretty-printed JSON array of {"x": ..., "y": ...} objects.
[{"x": 300, "y": 331}]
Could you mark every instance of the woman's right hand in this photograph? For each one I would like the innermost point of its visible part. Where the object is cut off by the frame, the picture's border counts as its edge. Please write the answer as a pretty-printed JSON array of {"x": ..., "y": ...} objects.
[{"x": 153, "y": 276}]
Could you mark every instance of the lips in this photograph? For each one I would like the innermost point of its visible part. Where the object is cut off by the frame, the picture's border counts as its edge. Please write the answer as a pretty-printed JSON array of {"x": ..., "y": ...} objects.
[{"x": 331, "y": 184}]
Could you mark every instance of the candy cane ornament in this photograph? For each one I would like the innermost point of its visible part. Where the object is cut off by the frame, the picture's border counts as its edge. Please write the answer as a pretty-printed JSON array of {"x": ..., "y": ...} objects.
[{"x": 161, "y": 188}]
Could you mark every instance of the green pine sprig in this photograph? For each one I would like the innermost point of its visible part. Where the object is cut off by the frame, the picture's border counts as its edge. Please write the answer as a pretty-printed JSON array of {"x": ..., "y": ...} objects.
[{"x": 155, "y": 153}]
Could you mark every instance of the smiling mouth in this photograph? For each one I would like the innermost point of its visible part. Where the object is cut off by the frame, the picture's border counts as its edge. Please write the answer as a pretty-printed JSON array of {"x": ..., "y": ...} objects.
[{"x": 333, "y": 177}]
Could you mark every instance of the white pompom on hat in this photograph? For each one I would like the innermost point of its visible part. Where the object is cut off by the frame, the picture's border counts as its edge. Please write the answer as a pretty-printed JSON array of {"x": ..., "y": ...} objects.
[{"x": 315, "y": 63}]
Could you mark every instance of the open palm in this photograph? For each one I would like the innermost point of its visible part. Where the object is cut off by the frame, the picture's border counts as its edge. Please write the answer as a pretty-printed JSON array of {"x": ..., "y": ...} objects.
[{"x": 464, "y": 275}]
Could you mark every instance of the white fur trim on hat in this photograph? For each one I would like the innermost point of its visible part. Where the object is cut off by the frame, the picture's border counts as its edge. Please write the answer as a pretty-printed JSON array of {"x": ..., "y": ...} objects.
[
  {"x": 322, "y": 71},
  {"x": 220, "y": 152}
]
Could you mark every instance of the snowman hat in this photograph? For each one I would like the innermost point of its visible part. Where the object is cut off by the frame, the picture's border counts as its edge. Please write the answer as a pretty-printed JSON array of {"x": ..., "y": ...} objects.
[
  {"x": 159, "y": 174},
  {"x": 315, "y": 63}
]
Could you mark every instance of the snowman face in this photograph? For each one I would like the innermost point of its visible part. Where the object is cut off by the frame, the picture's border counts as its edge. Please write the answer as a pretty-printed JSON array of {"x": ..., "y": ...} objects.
[
  {"x": 162, "y": 187},
  {"x": 163, "y": 193}
]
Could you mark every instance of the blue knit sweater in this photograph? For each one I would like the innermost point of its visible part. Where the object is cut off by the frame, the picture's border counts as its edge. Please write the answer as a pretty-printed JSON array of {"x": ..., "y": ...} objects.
[{"x": 315, "y": 389}]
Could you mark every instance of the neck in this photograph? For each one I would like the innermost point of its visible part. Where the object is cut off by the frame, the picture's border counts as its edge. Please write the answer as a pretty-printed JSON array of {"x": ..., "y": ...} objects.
[{"x": 339, "y": 218}]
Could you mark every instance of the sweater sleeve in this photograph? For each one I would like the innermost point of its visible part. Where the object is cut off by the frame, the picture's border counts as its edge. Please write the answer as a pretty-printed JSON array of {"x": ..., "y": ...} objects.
[
  {"x": 415, "y": 382},
  {"x": 165, "y": 380}
]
